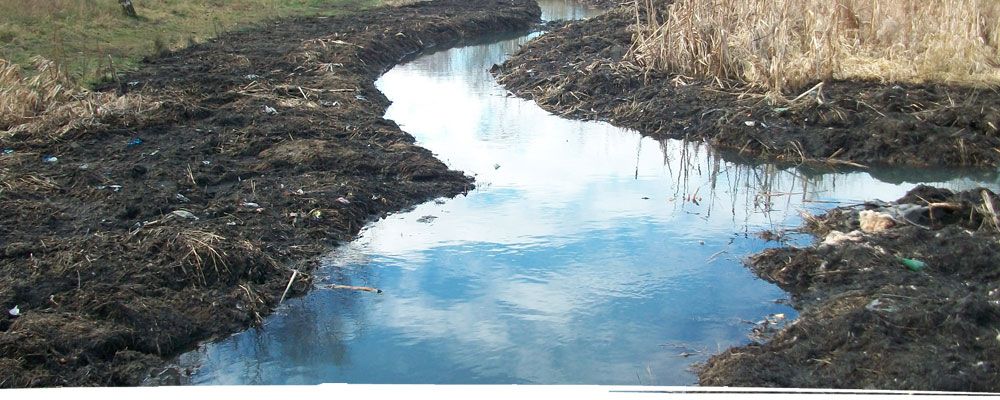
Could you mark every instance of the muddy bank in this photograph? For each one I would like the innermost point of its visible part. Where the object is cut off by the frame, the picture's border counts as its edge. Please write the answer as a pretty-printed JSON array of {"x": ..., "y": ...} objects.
[
  {"x": 128, "y": 241},
  {"x": 581, "y": 71},
  {"x": 870, "y": 319}
]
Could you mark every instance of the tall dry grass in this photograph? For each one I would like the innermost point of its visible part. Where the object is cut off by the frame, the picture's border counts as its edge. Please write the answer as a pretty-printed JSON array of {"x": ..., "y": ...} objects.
[
  {"x": 784, "y": 46},
  {"x": 48, "y": 102}
]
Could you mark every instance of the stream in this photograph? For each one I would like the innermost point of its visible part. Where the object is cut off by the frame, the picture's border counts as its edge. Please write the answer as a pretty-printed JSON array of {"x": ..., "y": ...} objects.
[{"x": 587, "y": 254}]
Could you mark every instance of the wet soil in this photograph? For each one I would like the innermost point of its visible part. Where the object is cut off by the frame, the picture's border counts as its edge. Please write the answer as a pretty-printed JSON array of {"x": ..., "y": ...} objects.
[
  {"x": 268, "y": 147},
  {"x": 581, "y": 70},
  {"x": 869, "y": 321}
]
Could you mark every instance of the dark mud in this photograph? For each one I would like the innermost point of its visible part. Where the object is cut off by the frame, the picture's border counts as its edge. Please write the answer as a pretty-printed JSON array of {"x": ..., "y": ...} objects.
[
  {"x": 269, "y": 146},
  {"x": 581, "y": 71},
  {"x": 867, "y": 320}
]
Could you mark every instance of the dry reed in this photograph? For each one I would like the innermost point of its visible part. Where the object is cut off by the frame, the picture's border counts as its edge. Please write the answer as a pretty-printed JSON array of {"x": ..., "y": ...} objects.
[
  {"x": 784, "y": 46},
  {"x": 50, "y": 103}
]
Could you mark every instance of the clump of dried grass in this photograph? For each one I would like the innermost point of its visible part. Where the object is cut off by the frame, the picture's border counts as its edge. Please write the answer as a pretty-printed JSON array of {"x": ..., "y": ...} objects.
[
  {"x": 783, "y": 46},
  {"x": 50, "y": 103},
  {"x": 202, "y": 250}
]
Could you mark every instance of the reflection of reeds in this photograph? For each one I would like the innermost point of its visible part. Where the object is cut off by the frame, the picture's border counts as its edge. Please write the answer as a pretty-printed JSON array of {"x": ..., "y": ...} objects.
[
  {"x": 750, "y": 189},
  {"x": 785, "y": 46}
]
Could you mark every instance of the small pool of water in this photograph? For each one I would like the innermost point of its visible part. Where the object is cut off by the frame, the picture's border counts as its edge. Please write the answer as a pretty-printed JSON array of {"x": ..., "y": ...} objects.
[{"x": 587, "y": 254}]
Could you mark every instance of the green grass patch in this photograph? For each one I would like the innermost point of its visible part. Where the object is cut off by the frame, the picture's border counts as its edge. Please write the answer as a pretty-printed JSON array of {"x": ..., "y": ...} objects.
[{"x": 93, "y": 38}]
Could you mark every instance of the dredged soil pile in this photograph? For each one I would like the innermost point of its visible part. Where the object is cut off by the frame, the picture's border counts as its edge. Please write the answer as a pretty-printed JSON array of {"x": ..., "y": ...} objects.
[
  {"x": 581, "y": 70},
  {"x": 871, "y": 315},
  {"x": 268, "y": 146}
]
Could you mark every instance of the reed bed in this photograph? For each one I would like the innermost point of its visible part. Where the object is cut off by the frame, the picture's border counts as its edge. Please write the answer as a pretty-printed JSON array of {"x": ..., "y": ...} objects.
[
  {"x": 49, "y": 102},
  {"x": 785, "y": 46}
]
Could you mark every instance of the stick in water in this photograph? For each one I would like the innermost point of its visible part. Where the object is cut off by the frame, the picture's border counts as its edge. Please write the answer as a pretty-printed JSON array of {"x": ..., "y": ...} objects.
[
  {"x": 361, "y": 288},
  {"x": 295, "y": 273}
]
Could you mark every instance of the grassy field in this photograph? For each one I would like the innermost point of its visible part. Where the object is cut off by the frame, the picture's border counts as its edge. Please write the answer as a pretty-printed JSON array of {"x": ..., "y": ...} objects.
[
  {"x": 785, "y": 46},
  {"x": 91, "y": 38}
]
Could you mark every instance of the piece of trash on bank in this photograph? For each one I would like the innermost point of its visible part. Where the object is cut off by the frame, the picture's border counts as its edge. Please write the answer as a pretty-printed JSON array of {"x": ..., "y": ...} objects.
[
  {"x": 114, "y": 188},
  {"x": 50, "y": 159},
  {"x": 269, "y": 110},
  {"x": 836, "y": 238},
  {"x": 875, "y": 222},
  {"x": 881, "y": 306},
  {"x": 913, "y": 264},
  {"x": 182, "y": 198},
  {"x": 251, "y": 206},
  {"x": 343, "y": 200},
  {"x": 8, "y": 152},
  {"x": 14, "y": 312},
  {"x": 184, "y": 214},
  {"x": 767, "y": 328},
  {"x": 358, "y": 288},
  {"x": 134, "y": 142},
  {"x": 426, "y": 219}
]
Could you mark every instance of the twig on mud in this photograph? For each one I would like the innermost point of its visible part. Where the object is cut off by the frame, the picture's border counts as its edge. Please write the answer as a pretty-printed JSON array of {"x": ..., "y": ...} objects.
[
  {"x": 291, "y": 280},
  {"x": 873, "y": 108},
  {"x": 990, "y": 211},
  {"x": 819, "y": 94},
  {"x": 191, "y": 175}
]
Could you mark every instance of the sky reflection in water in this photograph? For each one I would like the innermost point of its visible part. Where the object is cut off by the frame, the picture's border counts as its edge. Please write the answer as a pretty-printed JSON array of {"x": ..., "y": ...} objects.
[{"x": 580, "y": 259}]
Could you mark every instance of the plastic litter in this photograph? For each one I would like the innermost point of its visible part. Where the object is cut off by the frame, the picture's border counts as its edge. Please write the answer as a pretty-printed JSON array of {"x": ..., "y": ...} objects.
[
  {"x": 836, "y": 238},
  {"x": 8, "y": 152},
  {"x": 134, "y": 142},
  {"x": 343, "y": 200},
  {"x": 182, "y": 198},
  {"x": 50, "y": 159},
  {"x": 269, "y": 110},
  {"x": 875, "y": 222},
  {"x": 184, "y": 214},
  {"x": 913, "y": 264},
  {"x": 14, "y": 312}
]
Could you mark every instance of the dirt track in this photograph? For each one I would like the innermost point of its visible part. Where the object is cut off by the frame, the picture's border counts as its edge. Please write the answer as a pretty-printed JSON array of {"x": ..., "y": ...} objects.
[
  {"x": 581, "y": 71},
  {"x": 269, "y": 147}
]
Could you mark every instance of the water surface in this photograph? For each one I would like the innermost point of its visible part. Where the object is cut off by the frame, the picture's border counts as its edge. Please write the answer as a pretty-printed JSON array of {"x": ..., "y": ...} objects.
[{"x": 587, "y": 254}]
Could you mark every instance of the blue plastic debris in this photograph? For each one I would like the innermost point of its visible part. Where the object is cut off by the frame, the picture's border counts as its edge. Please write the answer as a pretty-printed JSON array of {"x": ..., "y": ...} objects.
[
  {"x": 134, "y": 142},
  {"x": 8, "y": 152}
]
